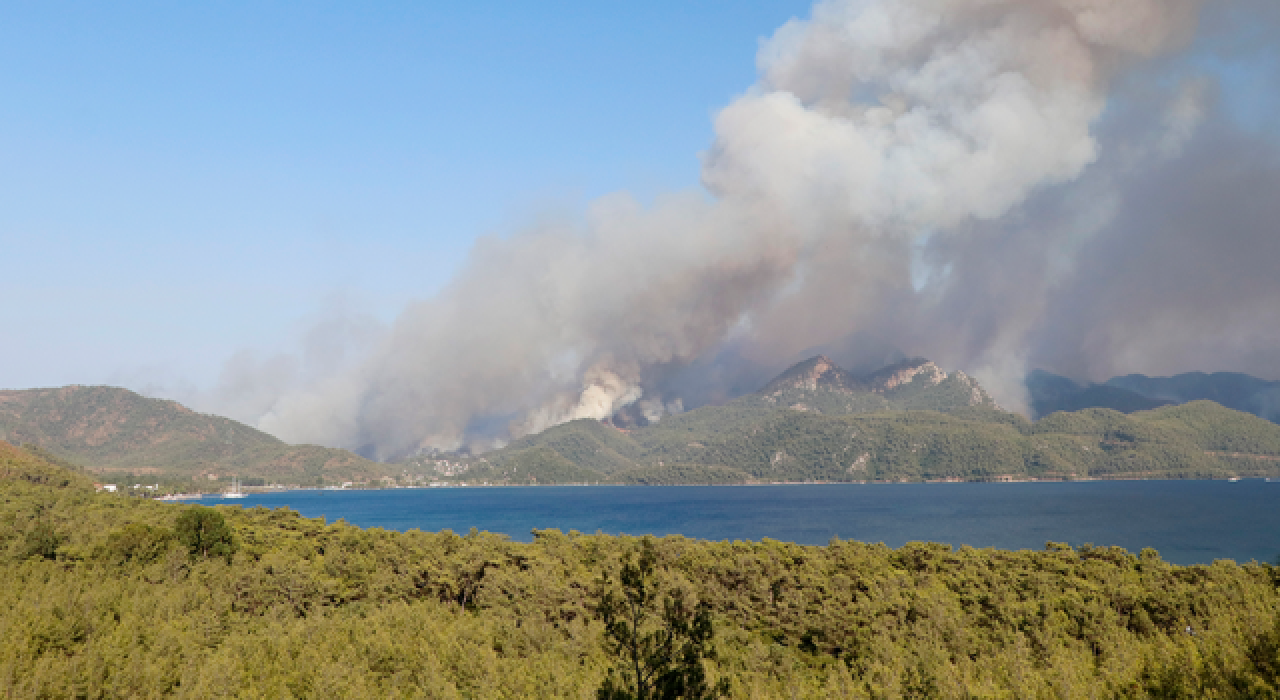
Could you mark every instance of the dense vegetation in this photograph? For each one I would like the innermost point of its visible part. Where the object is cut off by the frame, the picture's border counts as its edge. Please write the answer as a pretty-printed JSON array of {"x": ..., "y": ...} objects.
[
  {"x": 125, "y": 435},
  {"x": 814, "y": 422},
  {"x": 751, "y": 440},
  {"x": 905, "y": 422},
  {"x": 109, "y": 596}
]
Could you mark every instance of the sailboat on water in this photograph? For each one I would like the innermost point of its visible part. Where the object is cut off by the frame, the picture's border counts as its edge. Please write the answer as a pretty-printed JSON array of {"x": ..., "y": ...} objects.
[{"x": 234, "y": 491}]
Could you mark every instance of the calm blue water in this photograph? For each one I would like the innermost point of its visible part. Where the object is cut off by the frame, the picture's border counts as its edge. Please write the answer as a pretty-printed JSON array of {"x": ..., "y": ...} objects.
[{"x": 1189, "y": 522}]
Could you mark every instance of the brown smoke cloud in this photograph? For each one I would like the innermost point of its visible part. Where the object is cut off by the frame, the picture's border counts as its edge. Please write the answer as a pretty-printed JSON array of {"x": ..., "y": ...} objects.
[{"x": 971, "y": 180}]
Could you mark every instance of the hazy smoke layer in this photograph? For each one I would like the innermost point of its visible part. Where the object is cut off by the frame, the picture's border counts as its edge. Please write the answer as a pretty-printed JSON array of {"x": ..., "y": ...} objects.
[{"x": 939, "y": 173}]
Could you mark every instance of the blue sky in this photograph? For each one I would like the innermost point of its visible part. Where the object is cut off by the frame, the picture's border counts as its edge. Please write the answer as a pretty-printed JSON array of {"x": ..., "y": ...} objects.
[
  {"x": 179, "y": 181},
  {"x": 183, "y": 181}
]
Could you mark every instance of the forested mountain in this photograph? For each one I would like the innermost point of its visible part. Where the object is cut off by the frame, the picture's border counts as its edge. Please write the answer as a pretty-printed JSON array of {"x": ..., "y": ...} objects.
[
  {"x": 116, "y": 430},
  {"x": 107, "y": 596},
  {"x": 814, "y": 422},
  {"x": 1051, "y": 393},
  {"x": 1231, "y": 389},
  {"x": 1136, "y": 392},
  {"x": 910, "y": 421}
]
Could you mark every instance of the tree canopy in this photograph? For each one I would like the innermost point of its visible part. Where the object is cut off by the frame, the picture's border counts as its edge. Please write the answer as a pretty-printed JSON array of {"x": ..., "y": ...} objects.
[{"x": 306, "y": 608}]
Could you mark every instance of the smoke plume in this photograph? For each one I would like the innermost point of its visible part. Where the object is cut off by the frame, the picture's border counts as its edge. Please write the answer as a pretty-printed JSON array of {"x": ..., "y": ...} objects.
[{"x": 990, "y": 183}]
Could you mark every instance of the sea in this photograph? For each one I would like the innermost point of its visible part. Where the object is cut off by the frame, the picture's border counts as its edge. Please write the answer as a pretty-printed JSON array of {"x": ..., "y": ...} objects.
[{"x": 1188, "y": 522}]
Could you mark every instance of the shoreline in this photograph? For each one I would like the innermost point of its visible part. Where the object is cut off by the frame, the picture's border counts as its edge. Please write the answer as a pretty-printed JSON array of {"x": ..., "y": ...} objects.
[{"x": 218, "y": 496}]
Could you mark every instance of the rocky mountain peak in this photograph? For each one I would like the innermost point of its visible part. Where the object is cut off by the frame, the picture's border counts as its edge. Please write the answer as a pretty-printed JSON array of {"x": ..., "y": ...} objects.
[
  {"x": 814, "y": 373},
  {"x": 905, "y": 372},
  {"x": 915, "y": 383}
]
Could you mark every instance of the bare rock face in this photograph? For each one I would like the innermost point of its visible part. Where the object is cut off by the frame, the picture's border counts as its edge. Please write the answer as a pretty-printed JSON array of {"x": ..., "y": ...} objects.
[
  {"x": 977, "y": 395},
  {"x": 813, "y": 374},
  {"x": 913, "y": 384},
  {"x": 902, "y": 373}
]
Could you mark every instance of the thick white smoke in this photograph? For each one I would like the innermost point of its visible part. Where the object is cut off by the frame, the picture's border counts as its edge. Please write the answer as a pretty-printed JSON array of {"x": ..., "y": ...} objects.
[{"x": 882, "y": 135}]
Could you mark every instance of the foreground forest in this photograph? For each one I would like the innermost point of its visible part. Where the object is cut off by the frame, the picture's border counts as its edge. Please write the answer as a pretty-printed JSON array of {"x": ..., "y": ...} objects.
[{"x": 110, "y": 596}]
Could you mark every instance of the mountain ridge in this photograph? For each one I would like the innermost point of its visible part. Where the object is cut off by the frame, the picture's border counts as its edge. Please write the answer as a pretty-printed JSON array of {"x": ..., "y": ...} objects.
[
  {"x": 1134, "y": 392},
  {"x": 907, "y": 422}
]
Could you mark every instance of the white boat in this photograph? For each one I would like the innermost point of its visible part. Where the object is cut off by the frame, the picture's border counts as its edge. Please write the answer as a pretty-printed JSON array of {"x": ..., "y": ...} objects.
[{"x": 234, "y": 492}]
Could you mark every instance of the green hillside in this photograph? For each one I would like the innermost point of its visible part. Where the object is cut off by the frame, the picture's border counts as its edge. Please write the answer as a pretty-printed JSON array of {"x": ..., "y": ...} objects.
[
  {"x": 746, "y": 440},
  {"x": 909, "y": 421},
  {"x": 114, "y": 430},
  {"x": 107, "y": 596}
]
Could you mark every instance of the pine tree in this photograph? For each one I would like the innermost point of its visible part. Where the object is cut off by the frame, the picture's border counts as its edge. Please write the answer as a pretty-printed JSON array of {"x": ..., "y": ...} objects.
[
  {"x": 659, "y": 657},
  {"x": 205, "y": 533}
]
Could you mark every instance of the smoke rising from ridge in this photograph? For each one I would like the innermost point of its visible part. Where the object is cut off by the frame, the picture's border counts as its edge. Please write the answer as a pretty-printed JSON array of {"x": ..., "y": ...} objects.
[{"x": 935, "y": 172}]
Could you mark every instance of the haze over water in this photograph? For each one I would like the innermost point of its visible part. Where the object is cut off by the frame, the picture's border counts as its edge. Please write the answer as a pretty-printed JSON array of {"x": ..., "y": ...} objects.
[{"x": 1188, "y": 522}]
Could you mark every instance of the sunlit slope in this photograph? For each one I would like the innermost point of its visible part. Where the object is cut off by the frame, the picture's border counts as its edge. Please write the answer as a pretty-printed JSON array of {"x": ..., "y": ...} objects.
[
  {"x": 29, "y": 467},
  {"x": 100, "y": 426}
]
